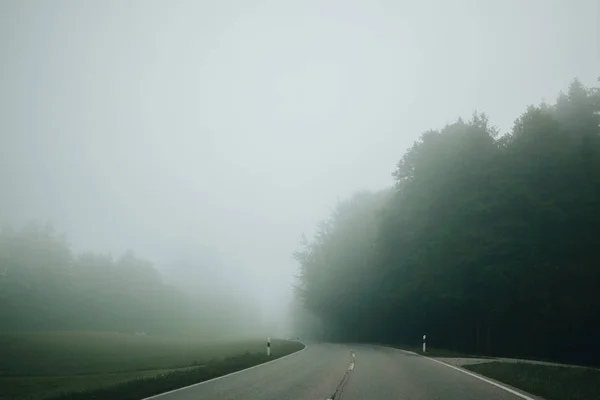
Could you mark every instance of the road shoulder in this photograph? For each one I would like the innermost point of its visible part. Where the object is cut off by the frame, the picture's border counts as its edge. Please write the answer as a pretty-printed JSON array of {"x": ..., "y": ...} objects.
[{"x": 461, "y": 364}]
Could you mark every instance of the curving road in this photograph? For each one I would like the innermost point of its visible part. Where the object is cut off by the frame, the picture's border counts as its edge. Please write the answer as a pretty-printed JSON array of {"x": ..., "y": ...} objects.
[{"x": 348, "y": 372}]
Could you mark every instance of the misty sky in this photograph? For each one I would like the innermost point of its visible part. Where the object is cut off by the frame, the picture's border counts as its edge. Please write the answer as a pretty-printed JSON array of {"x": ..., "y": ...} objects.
[{"x": 231, "y": 127}]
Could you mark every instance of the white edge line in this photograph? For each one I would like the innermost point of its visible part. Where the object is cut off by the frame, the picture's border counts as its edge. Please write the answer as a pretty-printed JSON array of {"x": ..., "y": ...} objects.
[
  {"x": 395, "y": 348},
  {"x": 464, "y": 371},
  {"x": 224, "y": 376},
  {"x": 521, "y": 395}
]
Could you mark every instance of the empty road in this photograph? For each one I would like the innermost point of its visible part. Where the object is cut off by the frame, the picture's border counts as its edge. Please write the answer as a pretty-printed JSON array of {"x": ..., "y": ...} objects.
[{"x": 348, "y": 372}]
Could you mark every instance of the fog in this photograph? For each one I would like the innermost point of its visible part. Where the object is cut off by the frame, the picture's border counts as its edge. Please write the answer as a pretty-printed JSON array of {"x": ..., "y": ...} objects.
[{"x": 212, "y": 134}]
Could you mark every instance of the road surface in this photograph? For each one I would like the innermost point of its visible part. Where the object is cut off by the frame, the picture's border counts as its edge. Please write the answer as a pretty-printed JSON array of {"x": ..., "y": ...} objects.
[{"x": 347, "y": 372}]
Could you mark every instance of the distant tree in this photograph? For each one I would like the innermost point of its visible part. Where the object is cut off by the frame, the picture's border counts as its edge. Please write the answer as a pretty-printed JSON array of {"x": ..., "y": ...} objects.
[{"x": 43, "y": 286}]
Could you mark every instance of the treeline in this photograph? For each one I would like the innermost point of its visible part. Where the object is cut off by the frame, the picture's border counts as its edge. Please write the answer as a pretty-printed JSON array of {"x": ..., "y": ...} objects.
[
  {"x": 488, "y": 244},
  {"x": 45, "y": 286}
]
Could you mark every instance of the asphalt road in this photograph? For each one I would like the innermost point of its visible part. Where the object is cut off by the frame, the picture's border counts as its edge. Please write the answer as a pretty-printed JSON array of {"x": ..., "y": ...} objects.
[{"x": 348, "y": 372}]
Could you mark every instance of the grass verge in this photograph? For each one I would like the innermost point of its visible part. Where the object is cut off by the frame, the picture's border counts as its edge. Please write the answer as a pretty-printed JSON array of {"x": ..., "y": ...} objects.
[
  {"x": 83, "y": 353},
  {"x": 549, "y": 382},
  {"x": 46, "y": 365},
  {"x": 141, "y": 388},
  {"x": 43, "y": 387}
]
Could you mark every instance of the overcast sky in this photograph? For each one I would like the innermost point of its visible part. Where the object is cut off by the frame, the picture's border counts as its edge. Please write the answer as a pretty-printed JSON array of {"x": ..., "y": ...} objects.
[{"x": 231, "y": 127}]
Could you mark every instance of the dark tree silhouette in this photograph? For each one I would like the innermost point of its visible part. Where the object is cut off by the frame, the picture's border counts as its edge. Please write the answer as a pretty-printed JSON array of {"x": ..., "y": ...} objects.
[{"x": 489, "y": 244}]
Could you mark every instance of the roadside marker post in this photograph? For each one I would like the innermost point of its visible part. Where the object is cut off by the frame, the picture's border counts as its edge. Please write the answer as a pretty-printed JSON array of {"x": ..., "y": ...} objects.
[
  {"x": 269, "y": 347},
  {"x": 424, "y": 343}
]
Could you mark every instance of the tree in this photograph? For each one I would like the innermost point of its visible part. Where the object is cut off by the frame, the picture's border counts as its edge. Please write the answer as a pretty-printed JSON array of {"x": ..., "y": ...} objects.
[{"x": 488, "y": 244}]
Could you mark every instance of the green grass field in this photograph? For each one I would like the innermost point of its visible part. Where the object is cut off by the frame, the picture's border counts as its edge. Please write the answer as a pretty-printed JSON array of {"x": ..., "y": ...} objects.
[
  {"x": 550, "y": 382},
  {"x": 36, "y": 366}
]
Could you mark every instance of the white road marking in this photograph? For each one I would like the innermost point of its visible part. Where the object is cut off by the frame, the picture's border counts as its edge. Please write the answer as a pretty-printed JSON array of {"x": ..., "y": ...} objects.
[
  {"x": 521, "y": 395},
  {"x": 224, "y": 376},
  {"x": 351, "y": 367}
]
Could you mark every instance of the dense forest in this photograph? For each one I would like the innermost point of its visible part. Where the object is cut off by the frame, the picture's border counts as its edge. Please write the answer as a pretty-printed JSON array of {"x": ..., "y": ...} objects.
[
  {"x": 46, "y": 286},
  {"x": 488, "y": 243}
]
